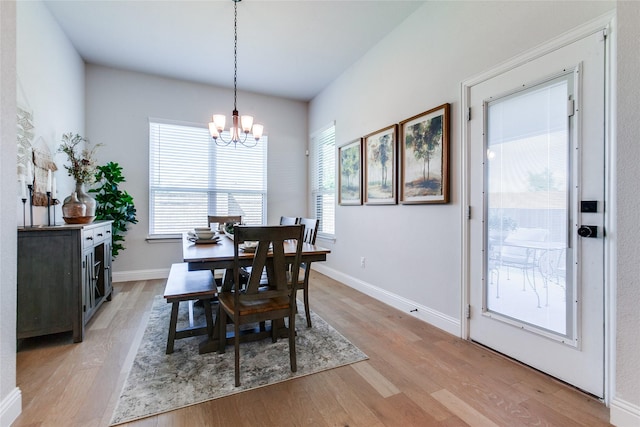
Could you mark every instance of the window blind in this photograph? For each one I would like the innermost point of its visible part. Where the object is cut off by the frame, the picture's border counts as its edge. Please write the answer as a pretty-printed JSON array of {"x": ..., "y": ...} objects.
[
  {"x": 191, "y": 177},
  {"x": 323, "y": 178}
]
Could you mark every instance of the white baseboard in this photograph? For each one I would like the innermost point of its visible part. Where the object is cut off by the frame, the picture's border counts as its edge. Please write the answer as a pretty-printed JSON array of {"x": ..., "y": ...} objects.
[
  {"x": 426, "y": 314},
  {"x": 136, "y": 275},
  {"x": 624, "y": 414},
  {"x": 10, "y": 407}
]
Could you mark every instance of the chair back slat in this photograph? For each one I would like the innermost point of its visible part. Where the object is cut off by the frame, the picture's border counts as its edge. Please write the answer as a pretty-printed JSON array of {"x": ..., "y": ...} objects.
[
  {"x": 288, "y": 220},
  {"x": 310, "y": 229},
  {"x": 269, "y": 255}
]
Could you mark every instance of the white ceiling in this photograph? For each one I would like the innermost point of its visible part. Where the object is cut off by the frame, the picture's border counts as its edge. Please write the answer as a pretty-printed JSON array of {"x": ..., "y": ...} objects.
[{"x": 291, "y": 48}]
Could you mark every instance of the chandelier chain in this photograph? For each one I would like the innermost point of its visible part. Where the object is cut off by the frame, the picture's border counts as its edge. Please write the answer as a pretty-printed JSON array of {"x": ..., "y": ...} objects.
[{"x": 235, "y": 54}]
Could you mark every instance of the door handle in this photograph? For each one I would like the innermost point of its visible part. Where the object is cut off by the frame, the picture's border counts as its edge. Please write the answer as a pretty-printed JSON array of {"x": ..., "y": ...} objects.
[{"x": 588, "y": 231}]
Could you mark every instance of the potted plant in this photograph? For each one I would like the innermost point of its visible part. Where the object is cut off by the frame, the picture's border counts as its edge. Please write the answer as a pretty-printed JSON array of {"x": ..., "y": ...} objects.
[{"x": 114, "y": 204}]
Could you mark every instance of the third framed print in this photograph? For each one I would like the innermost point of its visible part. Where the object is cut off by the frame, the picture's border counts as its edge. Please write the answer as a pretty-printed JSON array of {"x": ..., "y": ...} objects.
[{"x": 424, "y": 157}]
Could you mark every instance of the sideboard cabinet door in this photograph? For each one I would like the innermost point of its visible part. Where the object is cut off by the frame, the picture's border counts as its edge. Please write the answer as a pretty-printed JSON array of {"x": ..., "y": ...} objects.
[{"x": 47, "y": 283}]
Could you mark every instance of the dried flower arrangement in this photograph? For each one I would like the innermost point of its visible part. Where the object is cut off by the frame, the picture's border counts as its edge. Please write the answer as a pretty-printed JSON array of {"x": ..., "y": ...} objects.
[{"x": 83, "y": 166}]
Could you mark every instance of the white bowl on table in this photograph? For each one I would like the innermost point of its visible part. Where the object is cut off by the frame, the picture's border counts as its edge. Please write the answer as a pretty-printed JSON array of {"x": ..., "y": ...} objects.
[{"x": 203, "y": 233}]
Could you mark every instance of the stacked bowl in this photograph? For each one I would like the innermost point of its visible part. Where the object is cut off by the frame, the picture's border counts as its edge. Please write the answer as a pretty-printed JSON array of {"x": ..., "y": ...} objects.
[{"x": 204, "y": 233}]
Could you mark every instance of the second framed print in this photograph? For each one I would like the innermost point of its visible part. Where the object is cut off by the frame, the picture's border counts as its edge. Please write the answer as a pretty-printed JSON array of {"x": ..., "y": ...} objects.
[
  {"x": 380, "y": 167},
  {"x": 350, "y": 173},
  {"x": 424, "y": 157}
]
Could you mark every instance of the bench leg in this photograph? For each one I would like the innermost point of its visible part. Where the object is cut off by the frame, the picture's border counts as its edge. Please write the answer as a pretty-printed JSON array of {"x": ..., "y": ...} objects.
[
  {"x": 172, "y": 326},
  {"x": 221, "y": 319},
  {"x": 191, "y": 313},
  {"x": 209, "y": 317}
]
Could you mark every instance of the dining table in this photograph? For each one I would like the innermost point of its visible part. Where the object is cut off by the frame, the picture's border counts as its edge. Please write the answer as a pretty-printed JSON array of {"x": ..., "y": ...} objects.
[{"x": 218, "y": 254}]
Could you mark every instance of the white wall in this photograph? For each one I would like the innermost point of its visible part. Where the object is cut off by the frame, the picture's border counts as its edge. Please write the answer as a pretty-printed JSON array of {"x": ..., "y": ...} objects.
[
  {"x": 10, "y": 396},
  {"x": 51, "y": 87},
  {"x": 625, "y": 408},
  {"x": 43, "y": 71},
  {"x": 413, "y": 253},
  {"x": 119, "y": 104}
]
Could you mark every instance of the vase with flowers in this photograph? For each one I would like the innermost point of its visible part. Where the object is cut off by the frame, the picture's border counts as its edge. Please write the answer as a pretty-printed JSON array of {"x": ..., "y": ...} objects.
[{"x": 79, "y": 207}]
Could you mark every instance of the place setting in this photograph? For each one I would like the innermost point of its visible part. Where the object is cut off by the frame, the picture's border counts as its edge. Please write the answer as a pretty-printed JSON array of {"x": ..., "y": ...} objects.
[
  {"x": 249, "y": 246},
  {"x": 203, "y": 235}
]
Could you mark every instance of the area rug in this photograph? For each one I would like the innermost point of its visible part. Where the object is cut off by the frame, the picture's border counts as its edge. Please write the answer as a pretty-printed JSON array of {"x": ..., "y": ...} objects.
[{"x": 159, "y": 382}]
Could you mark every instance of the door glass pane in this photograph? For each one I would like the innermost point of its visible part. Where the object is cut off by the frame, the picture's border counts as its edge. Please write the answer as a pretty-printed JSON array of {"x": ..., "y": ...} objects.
[{"x": 527, "y": 171}]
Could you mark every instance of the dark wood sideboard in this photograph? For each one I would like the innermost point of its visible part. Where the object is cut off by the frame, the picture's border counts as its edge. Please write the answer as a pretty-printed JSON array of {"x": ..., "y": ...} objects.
[{"x": 64, "y": 275}]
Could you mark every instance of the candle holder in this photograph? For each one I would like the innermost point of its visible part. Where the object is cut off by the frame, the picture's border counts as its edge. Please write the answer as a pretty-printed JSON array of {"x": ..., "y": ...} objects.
[
  {"x": 30, "y": 186},
  {"x": 54, "y": 202},
  {"x": 24, "y": 210},
  {"x": 49, "y": 208}
]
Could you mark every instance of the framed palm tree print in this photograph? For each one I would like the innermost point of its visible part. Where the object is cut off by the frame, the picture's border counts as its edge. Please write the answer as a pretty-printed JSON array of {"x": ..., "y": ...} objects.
[
  {"x": 424, "y": 157},
  {"x": 380, "y": 167},
  {"x": 350, "y": 173}
]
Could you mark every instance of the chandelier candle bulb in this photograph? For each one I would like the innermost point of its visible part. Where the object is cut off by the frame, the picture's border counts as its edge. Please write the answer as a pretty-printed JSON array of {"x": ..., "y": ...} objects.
[
  {"x": 213, "y": 130},
  {"x": 257, "y": 131},
  {"x": 219, "y": 121},
  {"x": 247, "y": 123}
]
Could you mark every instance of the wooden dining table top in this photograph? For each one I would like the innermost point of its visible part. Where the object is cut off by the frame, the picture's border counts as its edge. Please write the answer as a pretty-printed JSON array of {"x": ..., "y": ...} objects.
[{"x": 209, "y": 256}]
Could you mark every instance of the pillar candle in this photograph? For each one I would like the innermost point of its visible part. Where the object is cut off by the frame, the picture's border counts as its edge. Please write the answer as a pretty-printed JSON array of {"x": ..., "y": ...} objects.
[
  {"x": 54, "y": 190},
  {"x": 23, "y": 185},
  {"x": 29, "y": 173},
  {"x": 49, "y": 181}
]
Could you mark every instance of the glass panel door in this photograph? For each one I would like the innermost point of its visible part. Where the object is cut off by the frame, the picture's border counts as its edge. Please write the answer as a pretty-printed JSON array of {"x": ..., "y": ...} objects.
[
  {"x": 528, "y": 208},
  {"x": 536, "y": 283}
]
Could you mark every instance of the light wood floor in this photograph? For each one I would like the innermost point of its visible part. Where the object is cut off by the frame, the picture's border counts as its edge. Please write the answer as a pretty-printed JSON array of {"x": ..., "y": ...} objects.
[{"x": 416, "y": 375}]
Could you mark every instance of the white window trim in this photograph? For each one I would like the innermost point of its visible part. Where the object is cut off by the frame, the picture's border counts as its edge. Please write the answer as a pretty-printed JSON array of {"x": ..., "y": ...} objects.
[{"x": 321, "y": 234}]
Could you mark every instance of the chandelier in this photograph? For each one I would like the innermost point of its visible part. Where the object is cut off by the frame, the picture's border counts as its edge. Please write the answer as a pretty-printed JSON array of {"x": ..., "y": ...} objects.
[{"x": 239, "y": 124}]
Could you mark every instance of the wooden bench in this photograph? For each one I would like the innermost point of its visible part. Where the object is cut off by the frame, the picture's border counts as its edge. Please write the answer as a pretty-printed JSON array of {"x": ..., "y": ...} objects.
[{"x": 185, "y": 285}]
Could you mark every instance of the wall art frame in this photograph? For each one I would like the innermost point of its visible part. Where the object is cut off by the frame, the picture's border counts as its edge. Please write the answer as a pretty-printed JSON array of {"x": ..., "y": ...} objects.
[
  {"x": 380, "y": 166},
  {"x": 350, "y": 173},
  {"x": 424, "y": 157}
]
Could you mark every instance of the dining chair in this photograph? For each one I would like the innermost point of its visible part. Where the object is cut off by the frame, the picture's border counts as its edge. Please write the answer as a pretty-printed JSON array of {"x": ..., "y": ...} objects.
[
  {"x": 519, "y": 250},
  {"x": 254, "y": 302},
  {"x": 288, "y": 220},
  {"x": 310, "y": 233},
  {"x": 223, "y": 219}
]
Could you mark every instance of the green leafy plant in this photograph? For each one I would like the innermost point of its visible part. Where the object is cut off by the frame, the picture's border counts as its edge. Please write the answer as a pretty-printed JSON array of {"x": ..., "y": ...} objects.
[{"x": 114, "y": 204}]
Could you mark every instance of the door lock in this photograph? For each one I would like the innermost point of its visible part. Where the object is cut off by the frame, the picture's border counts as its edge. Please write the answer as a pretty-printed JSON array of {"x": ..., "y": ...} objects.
[
  {"x": 589, "y": 206},
  {"x": 588, "y": 231}
]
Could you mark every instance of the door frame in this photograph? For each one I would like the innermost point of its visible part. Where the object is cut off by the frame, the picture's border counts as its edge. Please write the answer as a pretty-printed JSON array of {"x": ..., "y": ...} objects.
[{"x": 604, "y": 23}]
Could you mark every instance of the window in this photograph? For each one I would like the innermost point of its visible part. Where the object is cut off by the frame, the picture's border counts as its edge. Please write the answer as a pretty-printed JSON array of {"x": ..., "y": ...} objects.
[
  {"x": 323, "y": 173},
  {"x": 191, "y": 177}
]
